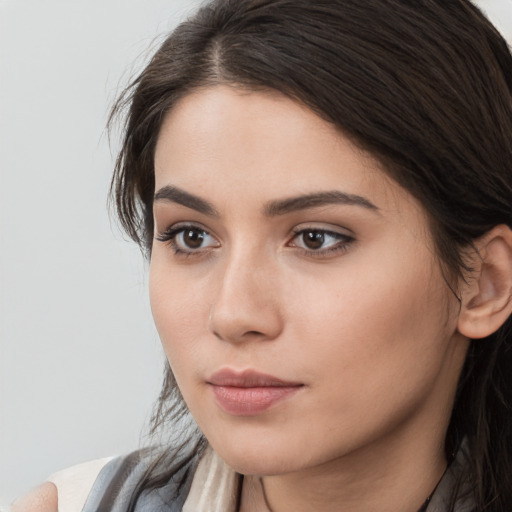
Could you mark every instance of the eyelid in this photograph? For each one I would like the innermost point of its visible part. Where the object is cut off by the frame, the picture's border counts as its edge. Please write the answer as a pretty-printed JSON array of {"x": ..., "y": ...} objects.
[
  {"x": 177, "y": 226},
  {"x": 325, "y": 228}
]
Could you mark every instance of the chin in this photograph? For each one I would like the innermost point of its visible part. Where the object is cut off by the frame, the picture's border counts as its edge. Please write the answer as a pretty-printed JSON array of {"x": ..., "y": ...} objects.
[
  {"x": 259, "y": 465},
  {"x": 260, "y": 459}
]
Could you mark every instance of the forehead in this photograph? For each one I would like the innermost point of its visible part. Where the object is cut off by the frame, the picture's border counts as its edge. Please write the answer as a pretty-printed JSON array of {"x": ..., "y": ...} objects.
[{"x": 226, "y": 139}]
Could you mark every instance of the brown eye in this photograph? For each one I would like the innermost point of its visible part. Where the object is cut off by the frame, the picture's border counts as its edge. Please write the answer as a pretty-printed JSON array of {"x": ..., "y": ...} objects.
[
  {"x": 193, "y": 238},
  {"x": 188, "y": 239},
  {"x": 320, "y": 242},
  {"x": 313, "y": 240}
]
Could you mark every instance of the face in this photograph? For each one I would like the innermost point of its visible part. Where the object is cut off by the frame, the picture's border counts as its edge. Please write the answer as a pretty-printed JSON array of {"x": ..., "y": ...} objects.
[{"x": 294, "y": 287}]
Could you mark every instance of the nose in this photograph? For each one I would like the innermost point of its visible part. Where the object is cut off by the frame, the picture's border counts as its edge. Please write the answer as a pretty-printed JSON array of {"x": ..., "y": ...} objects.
[{"x": 246, "y": 305}]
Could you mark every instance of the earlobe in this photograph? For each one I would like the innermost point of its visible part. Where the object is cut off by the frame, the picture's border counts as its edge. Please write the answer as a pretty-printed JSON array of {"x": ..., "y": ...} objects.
[{"x": 487, "y": 295}]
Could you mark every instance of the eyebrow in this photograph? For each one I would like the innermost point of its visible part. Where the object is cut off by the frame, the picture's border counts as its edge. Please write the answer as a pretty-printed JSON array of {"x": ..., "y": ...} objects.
[
  {"x": 179, "y": 196},
  {"x": 316, "y": 200},
  {"x": 273, "y": 208}
]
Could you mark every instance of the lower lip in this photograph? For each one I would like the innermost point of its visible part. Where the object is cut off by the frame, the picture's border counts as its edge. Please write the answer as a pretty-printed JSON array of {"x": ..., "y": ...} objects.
[{"x": 250, "y": 401}]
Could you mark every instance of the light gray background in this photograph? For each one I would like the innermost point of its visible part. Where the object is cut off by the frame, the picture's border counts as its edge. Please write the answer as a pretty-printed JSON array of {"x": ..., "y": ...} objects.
[{"x": 80, "y": 362}]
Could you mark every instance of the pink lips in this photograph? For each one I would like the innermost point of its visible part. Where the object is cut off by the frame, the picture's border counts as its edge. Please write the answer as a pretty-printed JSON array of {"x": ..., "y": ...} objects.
[{"x": 249, "y": 393}]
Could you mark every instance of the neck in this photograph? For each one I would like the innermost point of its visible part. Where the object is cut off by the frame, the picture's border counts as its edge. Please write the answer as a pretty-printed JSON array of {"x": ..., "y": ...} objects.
[{"x": 389, "y": 477}]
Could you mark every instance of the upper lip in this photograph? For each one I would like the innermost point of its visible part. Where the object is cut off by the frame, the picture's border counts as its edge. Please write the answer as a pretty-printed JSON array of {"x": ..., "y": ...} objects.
[{"x": 247, "y": 379}]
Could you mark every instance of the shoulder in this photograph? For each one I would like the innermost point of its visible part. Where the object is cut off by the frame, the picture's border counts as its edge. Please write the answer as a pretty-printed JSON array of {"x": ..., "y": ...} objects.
[
  {"x": 65, "y": 490},
  {"x": 41, "y": 499},
  {"x": 74, "y": 484}
]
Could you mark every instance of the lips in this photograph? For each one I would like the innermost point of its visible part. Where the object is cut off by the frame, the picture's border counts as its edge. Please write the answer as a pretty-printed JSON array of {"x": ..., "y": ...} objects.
[{"x": 249, "y": 393}]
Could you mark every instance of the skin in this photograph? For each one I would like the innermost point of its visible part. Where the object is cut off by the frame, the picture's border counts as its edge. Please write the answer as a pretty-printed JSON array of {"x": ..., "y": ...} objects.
[
  {"x": 41, "y": 499},
  {"x": 365, "y": 322}
]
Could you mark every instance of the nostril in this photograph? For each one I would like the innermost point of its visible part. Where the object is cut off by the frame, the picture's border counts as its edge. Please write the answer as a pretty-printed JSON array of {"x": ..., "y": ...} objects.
[
  {"x": 254, "y": 333},
  {"x": 217, "y": 335},
  {"x": 240, "y": 336}
]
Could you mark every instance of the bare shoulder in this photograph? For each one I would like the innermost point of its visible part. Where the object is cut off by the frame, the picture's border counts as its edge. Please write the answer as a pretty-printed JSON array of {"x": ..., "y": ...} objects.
[
  {"x": 41, "y": 499},
  {"x": 67, "y": 489}
]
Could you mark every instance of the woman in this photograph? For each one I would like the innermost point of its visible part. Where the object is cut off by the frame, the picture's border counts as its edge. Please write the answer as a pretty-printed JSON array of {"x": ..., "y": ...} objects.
[{"x": 324, "y": 192}]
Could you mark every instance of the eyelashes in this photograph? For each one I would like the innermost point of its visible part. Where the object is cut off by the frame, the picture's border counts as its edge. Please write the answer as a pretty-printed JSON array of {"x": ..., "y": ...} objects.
[{"x": 194, "y": 240}]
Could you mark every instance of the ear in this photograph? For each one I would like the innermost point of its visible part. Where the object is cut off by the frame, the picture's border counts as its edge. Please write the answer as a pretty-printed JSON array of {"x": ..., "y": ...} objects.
[{"x": 487, "y": 295}]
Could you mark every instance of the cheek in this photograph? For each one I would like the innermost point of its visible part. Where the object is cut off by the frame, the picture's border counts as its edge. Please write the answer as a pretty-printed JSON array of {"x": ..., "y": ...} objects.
[
  {"x": 180, "y": 310},
  {"x": 373, "y": 333},
  {"x": 368, "y": 302}
]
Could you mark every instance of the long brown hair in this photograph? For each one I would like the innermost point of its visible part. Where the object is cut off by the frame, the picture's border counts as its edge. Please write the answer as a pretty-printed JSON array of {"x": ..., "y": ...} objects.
[{"x": 425, "y": 86}]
